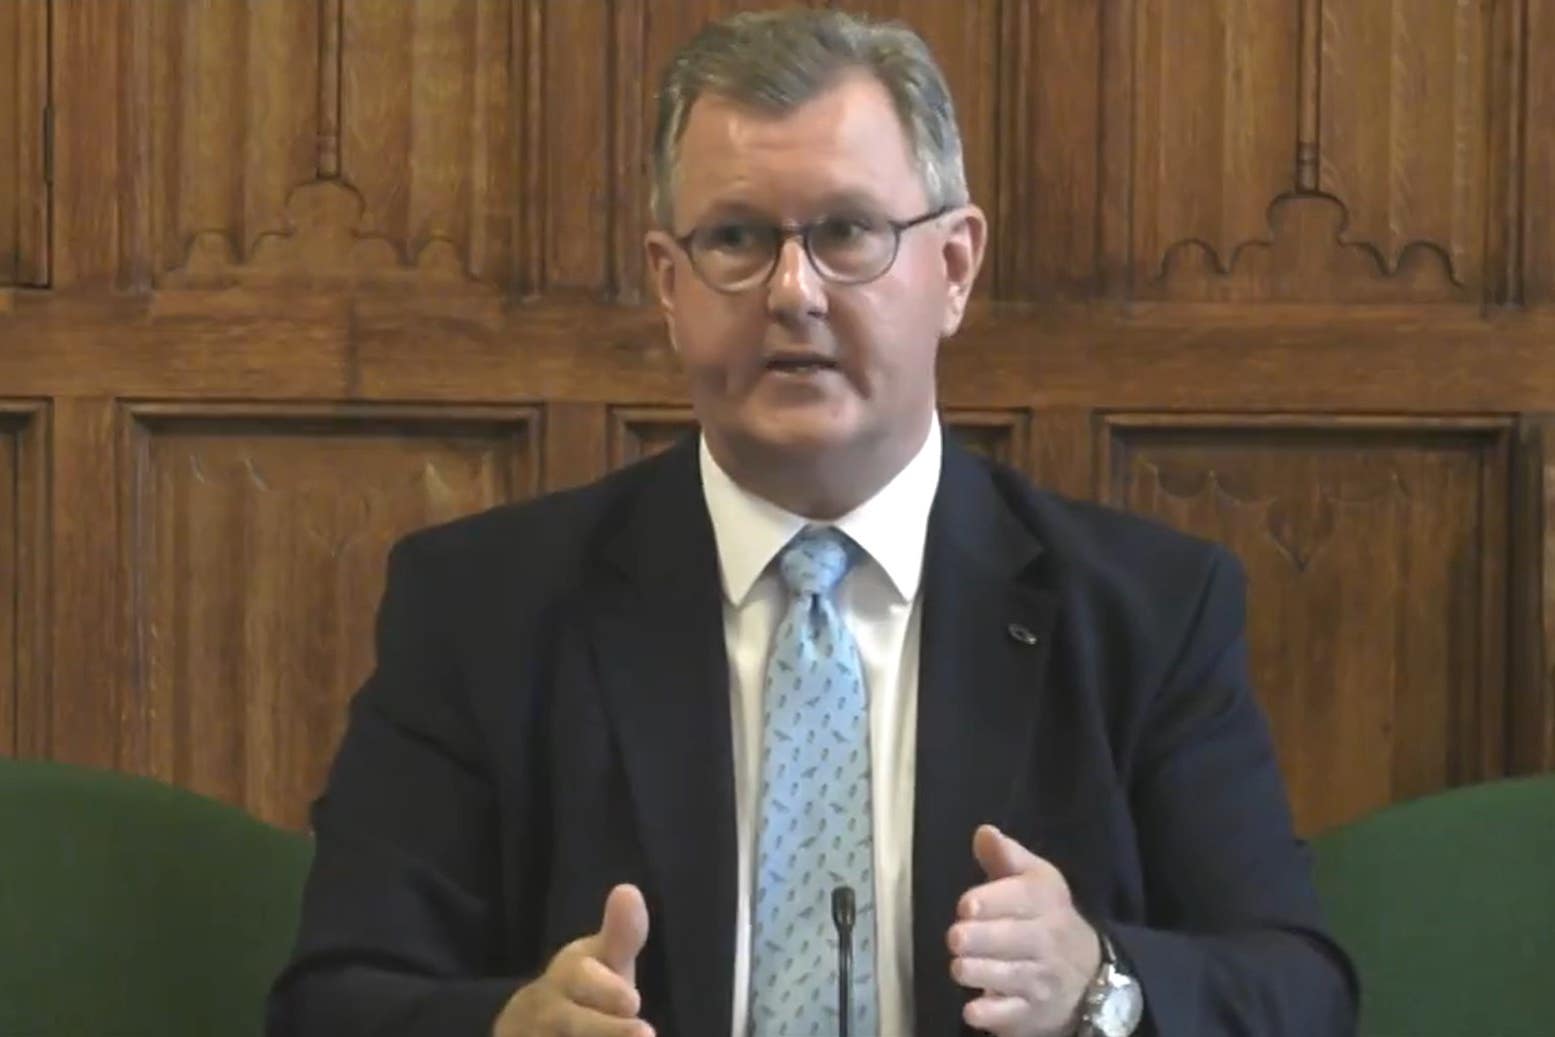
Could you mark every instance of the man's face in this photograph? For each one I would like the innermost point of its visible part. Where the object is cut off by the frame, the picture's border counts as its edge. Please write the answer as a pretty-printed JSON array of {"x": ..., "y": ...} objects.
[{"x": 800, "y": 368}]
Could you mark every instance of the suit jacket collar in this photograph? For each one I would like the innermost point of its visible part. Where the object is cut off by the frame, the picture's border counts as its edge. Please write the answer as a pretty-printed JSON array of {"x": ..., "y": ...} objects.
[{"x": 657, "y": 627}]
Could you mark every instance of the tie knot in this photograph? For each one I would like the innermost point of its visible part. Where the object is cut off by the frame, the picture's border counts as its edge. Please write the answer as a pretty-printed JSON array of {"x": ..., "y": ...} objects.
[{"x": 815, "y": 561}]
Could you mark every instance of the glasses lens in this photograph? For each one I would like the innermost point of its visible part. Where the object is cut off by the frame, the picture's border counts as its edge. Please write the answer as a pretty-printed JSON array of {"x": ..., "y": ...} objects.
[
  {"x": 730, "y": 255},
  {"x": 852, "y": 248}
]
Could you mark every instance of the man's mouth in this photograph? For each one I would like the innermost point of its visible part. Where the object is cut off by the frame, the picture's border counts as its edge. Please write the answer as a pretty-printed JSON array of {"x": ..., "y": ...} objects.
[{"x": 797, "y": 363}]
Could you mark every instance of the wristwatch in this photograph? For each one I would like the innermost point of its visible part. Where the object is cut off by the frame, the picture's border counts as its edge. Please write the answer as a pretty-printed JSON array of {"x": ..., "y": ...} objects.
[{"x": 1114, "y": 1004}]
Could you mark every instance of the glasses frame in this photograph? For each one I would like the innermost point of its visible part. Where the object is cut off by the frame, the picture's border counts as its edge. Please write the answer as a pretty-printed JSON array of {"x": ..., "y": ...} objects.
[{"x": 803, "y": 232}]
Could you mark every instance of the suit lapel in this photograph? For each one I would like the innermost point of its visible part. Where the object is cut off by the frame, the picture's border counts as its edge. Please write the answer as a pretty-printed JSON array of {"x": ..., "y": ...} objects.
[
  {"x": 657, "y": 633},
  {"x": 985, "y": 642}
]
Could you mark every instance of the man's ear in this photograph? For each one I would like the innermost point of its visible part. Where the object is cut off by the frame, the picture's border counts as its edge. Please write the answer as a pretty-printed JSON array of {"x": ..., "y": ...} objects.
[
  {"x": 660, "y": 250},
  {"x": 965, "y": 243}
]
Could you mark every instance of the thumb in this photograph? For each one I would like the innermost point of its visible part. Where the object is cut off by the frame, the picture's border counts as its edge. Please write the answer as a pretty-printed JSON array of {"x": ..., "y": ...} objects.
[
  {"x": 623, "y": 931},
  {"x": 1001, "y": 856}
]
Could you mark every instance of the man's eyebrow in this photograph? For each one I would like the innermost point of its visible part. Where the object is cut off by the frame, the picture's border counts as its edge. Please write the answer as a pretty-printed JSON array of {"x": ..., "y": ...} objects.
[
  {"x": 852, "y": 200},
  {"x": 735, "y": 208}
]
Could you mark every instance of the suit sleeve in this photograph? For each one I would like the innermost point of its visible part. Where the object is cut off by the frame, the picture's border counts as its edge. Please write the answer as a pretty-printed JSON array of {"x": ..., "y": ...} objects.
[
  {"x": 401, "y": 916},
  {"x": 1236, "y": 941}
]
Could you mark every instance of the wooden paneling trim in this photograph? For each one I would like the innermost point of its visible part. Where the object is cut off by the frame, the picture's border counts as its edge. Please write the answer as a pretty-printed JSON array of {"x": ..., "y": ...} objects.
[
  {"x": 24, "y": 577},
  {"x": 472, "y": 349},
  {"x": 1531, "y": 631},
  {"x": 24, "y": 188}
]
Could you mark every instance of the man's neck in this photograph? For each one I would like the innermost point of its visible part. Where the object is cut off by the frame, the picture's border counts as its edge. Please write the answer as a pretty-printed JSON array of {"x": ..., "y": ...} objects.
[{"x": 823, "y": 487}]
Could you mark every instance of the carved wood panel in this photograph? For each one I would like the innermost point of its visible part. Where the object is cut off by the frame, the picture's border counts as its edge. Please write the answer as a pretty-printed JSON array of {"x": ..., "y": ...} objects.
[
  {"x": 1403, "y": 128},
  {"x": 1215, "y": 96},
  {"x": 1376, "y": 556},
  {"x": 1291, "y": 149},
  {"x": 260, "y": 536},
  {"x": 331, "y": 140},
  {"x": 23, "y": 189}
]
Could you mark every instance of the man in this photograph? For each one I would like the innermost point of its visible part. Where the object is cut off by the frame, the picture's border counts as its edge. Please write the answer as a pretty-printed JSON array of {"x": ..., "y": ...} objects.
[{"x": 636, "y": 756}]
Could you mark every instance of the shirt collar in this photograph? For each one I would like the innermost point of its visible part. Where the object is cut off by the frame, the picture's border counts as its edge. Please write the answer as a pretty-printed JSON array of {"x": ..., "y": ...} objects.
[{"x": 891, "y": 526}]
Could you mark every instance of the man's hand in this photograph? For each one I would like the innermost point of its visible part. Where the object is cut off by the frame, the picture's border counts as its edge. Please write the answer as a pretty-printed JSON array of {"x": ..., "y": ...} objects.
[
  {"x": 1019, "y": 939},
  {"x": 590, "y": 987}
]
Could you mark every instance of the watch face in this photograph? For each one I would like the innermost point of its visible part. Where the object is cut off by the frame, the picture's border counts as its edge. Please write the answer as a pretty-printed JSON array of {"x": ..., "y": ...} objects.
[{"x": 1120, "y": 1008}]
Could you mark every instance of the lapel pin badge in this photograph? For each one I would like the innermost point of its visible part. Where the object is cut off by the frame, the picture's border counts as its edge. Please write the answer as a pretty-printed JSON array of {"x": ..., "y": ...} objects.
[{"x": 1022, "y": 634}]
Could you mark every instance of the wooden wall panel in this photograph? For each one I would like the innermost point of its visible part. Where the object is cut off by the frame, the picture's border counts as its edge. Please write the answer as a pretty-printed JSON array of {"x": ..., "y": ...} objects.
[
  {"x": 343, "y": 235},
  {"x": 234, "y": 124},
  {"x": 23, "y": 531},
  {"x": 345, "y": 139},
  {"x": 1404, "y": 127},
  {"x": 1376, "y": 557},
  {"x": 1046, "y": 208},
  {"x": 23, "y": 188},
  {"x": 1216, "y": 96},
  {"x": 259, "y": 536}
]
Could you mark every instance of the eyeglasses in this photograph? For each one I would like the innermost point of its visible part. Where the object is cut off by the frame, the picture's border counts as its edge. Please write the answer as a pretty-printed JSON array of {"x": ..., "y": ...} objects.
[{"x": 738, "y": 255}]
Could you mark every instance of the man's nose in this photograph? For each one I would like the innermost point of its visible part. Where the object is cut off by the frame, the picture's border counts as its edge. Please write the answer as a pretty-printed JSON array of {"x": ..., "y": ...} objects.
[{"x": 796, "y": 288}]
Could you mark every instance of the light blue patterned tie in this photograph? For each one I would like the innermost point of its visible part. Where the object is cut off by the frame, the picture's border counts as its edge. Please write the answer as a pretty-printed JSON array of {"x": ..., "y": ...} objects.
[{"x": 816, "y": 827}]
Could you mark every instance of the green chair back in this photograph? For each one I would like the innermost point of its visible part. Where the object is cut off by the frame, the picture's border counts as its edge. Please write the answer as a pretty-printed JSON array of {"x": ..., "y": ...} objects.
[
  {"x": 129, "y": 908},
  {"x": 1447, "y": 904}
]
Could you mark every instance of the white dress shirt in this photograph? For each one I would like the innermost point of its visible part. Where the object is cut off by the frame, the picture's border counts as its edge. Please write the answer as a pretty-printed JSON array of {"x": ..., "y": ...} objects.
[{"x": 881, "y": 604}]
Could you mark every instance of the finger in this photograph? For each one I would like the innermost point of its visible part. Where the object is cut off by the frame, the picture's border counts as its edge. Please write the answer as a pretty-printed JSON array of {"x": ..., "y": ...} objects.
[
  {"x": 591, "y": 984},
  {"x": 1008, "y": 939},
  {"x": 1020, "y": 896},
  {"x": 1023, "y": 979},
  {"x": 1001, "y": 856},
  {"x": 578, "y": 1021},
  {"x": 623, "y": 932},
  {"x": 996, "y": 1014}
]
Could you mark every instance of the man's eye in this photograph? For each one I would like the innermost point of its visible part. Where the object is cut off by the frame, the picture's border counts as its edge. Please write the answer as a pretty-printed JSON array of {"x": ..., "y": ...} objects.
[
  {"x": 840, "y": 230},
  {"x": 730, "y": 237}
]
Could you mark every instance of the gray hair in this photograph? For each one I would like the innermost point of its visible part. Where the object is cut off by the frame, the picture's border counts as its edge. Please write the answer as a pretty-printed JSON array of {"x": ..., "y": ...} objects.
[{"x": 777, "y": 60}]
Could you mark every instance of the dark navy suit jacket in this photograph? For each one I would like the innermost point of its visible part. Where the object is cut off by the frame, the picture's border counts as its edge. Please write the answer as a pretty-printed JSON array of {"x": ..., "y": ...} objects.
[{"x": 549, "y": 716}]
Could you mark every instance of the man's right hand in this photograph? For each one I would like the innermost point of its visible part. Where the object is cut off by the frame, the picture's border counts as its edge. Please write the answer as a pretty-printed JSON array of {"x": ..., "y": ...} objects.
[{"x": 590, "y": 987}]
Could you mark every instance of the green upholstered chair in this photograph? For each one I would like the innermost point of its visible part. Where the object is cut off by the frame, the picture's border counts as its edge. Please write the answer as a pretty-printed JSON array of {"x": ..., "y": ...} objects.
[
  {"x": 1447, "y": 904},
  {"x": 129, "y": 908}
]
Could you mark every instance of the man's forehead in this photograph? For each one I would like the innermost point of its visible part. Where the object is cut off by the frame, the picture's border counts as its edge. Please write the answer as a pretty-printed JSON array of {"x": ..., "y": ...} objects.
[{"x": 846, "y": 143}]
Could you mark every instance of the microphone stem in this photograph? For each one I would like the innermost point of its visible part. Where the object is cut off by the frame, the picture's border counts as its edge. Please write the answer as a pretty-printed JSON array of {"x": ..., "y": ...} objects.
[{"x": 842, "y": 916}]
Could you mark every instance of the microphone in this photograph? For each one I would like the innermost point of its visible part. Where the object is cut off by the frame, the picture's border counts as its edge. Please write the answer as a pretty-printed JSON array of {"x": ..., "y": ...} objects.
[{"x": 842, "y": 918}]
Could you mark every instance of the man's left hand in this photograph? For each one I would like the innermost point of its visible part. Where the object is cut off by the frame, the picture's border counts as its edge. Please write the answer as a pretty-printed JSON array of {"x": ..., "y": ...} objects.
[{"x": 1019, "y": 940}]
